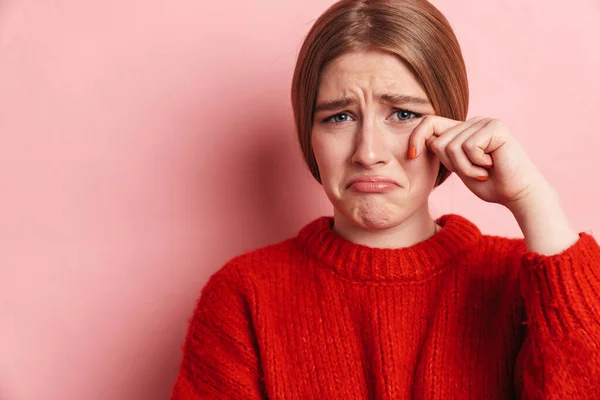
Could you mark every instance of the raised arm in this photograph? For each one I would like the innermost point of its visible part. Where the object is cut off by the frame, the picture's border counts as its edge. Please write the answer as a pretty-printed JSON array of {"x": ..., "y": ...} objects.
[{"x": 560, "y": 285}]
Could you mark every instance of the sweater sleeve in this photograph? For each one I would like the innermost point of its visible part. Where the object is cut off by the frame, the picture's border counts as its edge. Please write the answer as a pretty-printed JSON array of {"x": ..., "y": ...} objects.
[
  {"x": 220, "y": 353},
  {"x": 560, "y": 356}
]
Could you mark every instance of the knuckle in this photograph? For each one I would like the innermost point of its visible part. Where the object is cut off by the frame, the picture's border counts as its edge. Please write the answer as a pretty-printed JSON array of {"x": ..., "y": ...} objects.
[
  {"x": 469, "y": 146},
  {"x": 426, "y": 122},
  {"x": 436, "y": 145},
  {"x": 453, "y": 147},
  {"x": 497, "y": 124}
]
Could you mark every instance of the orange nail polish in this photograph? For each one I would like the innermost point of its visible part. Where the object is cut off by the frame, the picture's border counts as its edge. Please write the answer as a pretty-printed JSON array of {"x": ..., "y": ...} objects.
[
  {"x": 412, "y": 152},
  {"x": 488, "y": 166},
  {"x": 482, "y": 178}
]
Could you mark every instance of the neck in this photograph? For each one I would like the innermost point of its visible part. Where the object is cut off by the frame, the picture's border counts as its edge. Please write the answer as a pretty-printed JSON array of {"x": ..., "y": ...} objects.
[
  {"x": 392, "y": 234},
  {"x": 365, "y": 263}
]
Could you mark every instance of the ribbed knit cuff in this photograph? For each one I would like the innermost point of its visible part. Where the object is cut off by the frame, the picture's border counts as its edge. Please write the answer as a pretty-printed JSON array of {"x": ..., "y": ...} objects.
[{"x": 562, "y": 291}]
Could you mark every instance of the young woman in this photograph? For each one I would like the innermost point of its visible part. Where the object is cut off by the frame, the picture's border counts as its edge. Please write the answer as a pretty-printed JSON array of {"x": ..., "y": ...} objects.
[{"x": 381, "y": 300}]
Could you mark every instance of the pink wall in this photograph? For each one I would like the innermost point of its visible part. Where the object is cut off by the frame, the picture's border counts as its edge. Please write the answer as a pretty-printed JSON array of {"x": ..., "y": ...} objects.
[{"x": 142, "y": 144}]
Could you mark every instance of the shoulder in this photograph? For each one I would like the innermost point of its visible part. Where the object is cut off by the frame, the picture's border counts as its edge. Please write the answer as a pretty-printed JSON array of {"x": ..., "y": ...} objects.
[
  {"x": 244, "y": 271},
  {"x": 496, "y": 246},
  {"x": 496, "y": 257}
]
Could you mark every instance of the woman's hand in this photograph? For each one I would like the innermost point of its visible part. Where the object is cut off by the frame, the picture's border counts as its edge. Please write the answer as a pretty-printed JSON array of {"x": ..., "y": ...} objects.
[
  {"x": 483, "y": 153},
  {"x": 492, "y": 164}
]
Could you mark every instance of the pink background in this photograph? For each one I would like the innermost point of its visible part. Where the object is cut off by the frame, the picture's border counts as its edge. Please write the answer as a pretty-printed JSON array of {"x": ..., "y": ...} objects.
[{"x": 144, "y": 143}]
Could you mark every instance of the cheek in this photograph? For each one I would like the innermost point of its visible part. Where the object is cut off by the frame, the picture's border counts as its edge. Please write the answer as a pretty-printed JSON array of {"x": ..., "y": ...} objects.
[{"x": 329, "y": 153}]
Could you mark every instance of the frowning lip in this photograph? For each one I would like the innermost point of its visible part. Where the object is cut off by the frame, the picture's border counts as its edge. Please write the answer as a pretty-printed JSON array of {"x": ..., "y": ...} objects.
[{"x": 371, "y": 178}]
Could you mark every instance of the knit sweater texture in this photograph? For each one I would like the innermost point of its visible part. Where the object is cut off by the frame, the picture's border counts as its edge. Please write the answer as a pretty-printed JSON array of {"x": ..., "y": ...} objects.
[{"x": 461, "y": 315}]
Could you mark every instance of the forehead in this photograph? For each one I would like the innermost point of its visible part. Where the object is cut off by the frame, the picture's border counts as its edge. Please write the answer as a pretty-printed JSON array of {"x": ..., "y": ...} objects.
[{"x": 376, "y": 70}]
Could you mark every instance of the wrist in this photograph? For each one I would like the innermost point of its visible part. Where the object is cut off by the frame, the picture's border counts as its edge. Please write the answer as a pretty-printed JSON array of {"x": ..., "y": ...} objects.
[
  {"x": 538, "y": 198},
  {"x": 545, "y": 225}
]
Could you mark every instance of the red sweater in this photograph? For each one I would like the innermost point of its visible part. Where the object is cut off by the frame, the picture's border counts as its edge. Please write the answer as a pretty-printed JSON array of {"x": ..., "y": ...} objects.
[{"x": 460, "y": 315}]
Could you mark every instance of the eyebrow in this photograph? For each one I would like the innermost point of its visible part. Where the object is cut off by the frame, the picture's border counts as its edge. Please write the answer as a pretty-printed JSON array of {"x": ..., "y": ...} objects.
[{"x": 390, "y": 98}]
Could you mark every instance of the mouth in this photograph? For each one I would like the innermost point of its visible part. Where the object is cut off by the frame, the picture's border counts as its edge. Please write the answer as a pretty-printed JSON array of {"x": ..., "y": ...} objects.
[{"x": 372, "y": 184}]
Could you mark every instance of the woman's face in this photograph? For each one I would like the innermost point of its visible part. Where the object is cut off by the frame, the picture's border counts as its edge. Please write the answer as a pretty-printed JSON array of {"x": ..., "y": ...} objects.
[{"x": 364, "y": 116}]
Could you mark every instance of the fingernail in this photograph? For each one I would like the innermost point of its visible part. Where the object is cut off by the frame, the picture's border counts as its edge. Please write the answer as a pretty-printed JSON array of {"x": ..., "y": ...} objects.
[
  {"x": 488, "y": 166},
  {"x": 412, "y": 152},
  {"x": 482, "y": 178}
]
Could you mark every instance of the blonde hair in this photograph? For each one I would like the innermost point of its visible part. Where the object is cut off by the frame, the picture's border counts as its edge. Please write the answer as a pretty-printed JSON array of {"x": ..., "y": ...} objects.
[{"x": 413, "y": 30}]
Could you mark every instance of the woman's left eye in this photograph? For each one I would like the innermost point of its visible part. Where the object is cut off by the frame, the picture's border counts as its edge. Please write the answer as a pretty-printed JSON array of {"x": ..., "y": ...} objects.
[{"x": 405, "y": 115}]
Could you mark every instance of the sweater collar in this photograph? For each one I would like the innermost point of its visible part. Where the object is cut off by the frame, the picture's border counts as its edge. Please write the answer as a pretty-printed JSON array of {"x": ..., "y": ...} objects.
[{"x": 364, "y": 263}]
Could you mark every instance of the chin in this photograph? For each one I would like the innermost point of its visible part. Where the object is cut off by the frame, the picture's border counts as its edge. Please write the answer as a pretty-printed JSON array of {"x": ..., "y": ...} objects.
[{"x": 371, "y": 216}]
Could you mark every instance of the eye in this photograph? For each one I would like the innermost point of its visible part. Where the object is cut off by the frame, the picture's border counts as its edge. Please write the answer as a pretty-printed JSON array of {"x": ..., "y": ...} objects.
[
  {"x": 405, "y": 115},
  {"x": 338, "y": 118}
]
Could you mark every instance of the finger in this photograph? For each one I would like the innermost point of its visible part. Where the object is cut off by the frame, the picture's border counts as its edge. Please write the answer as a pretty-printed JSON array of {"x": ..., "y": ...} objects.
[
  {"x": 438, "y": 144},
  {"x": 496, "y": 136},
  {"x": 434, "y": 125},
  {"x": 430, "y": 125},
  {"x": 457, "y": 154},
  {"x": 448, "y": 135},
  {"x": 476, "y": 145}
]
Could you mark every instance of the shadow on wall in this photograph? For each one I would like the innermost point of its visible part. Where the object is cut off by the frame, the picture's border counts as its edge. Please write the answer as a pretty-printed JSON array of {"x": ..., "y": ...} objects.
[
  {"x": 254, "y": 193},
  {"x": 277, "y": 181},
  {"x": 264, "y": 199}
]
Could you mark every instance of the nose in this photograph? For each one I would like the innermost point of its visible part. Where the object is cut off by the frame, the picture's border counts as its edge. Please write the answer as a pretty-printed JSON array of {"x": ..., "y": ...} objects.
[{"x": 371, "y": 147}]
